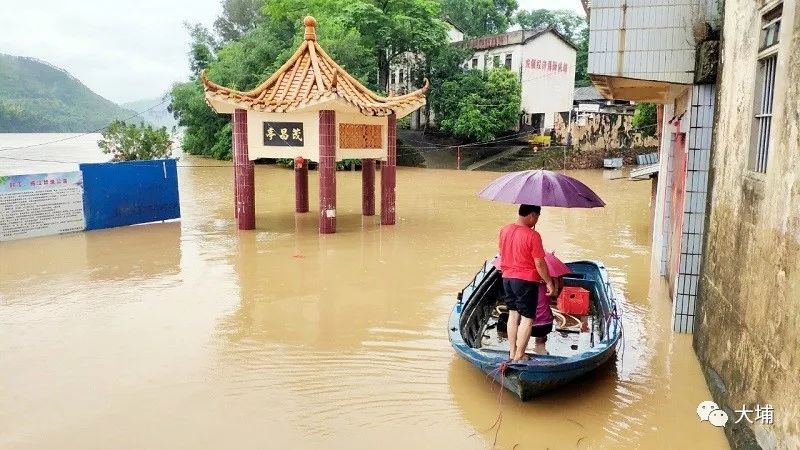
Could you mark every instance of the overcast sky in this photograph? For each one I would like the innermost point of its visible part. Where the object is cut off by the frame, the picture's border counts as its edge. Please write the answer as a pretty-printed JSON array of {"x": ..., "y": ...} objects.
[{"x": 124, "y": 50}]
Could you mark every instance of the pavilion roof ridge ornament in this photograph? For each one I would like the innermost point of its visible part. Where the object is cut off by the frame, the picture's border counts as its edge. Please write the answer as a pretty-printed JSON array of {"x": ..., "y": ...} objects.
[
  {"x": 311, "y": 28},
  {"x": 309, "y": 78}
]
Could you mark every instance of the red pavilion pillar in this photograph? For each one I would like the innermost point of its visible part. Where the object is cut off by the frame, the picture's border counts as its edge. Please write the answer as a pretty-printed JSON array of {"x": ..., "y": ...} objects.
[
  {"x": 235, "y": 181},
  {"x": 368, "y": 187},
  {"x": 327, "y": 171},
  {"x": 243, "y": 173},
  {"x": 300, "y": 185},
  {"x": 389, "y": 174}
]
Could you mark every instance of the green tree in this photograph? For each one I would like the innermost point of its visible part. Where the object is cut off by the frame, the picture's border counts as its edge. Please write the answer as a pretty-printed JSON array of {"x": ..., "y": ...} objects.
[
  {"x": 645, "y": 118},
  {"x": 238, "y": 18},
  {"x": 205, "y": 132},
  {"x": 387, "y": 29},
  {"x": 582, "y": 60},
  {"x": 568, "y": 23},
  {"x": 391, "y": 29},
  {"x": 131, "y": 142},
  {"x": 480, "y": 17},
  {"x": 201, "y": 50},
  {"x": 443, "y": 64},
  {"x": 478, "y": 105}
]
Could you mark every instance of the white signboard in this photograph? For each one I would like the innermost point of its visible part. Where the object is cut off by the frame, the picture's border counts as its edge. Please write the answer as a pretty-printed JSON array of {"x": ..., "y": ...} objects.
[
  {"x": 41, "y": 204},
  {"x": 589, "y": 107}
]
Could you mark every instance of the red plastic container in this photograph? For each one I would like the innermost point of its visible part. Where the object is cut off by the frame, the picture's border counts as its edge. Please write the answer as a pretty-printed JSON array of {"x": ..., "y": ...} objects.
[{"x": 573, "y": 300}]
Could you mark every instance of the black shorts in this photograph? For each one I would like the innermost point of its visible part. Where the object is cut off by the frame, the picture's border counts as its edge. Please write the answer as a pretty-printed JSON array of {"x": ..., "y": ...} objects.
[{"x": 521, "y": 296}]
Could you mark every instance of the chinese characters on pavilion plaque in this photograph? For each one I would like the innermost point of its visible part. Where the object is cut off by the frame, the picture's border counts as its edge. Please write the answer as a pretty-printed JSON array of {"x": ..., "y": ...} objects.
[{"x": 283, "y": 134}]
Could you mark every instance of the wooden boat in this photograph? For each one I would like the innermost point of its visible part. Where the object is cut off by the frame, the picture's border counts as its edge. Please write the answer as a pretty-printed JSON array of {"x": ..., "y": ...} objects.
[{"x": 473, "y": 331}]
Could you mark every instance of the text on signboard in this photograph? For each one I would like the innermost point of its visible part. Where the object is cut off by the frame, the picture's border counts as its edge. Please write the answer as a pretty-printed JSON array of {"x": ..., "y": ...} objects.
[
  {"x": 283, "y": 134},
  {"x": 546, "y": 65}
]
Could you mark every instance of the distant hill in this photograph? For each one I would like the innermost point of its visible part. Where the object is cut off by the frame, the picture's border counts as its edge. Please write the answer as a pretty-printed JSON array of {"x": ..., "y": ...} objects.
[
  {"x": 157, "y": 114},
  {"x": 38, "y": 97}
]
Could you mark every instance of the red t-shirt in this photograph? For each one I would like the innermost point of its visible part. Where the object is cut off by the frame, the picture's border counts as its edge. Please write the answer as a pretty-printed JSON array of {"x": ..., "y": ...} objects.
[{"x": 519, "y": 245}]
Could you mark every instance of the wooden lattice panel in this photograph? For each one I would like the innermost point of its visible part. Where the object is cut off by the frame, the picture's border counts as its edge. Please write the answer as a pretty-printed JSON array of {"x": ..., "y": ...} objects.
[{"x": 358, "y": 136}]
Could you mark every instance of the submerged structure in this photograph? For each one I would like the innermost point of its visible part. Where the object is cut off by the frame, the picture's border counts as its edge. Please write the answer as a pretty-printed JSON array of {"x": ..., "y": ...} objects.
[{"x": 311, "y": 109}]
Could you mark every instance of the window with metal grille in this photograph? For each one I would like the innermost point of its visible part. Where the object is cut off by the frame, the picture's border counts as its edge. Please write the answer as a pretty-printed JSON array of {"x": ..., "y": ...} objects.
[
  {"x": 765, "y": 90},
  {"x": 474, "y": 63},
  {"x": 508, "y": 61}
]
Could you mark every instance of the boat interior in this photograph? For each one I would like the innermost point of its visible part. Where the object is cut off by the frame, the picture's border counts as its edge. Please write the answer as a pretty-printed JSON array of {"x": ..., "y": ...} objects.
[{"x": 483, "y": 322}]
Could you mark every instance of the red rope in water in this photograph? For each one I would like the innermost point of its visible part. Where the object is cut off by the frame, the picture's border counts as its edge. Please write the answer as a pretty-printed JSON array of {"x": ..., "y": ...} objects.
[
  {"x": 502, "y": 368},
  {"x": 501, "y": 371}
]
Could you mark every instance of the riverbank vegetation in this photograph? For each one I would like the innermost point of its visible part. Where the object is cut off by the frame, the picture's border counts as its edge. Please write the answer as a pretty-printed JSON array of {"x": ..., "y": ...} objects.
[{"x": 131, "y": 142}]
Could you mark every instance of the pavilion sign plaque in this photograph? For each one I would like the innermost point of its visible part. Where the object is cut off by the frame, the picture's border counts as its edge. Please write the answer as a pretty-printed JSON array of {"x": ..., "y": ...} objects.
[{"x": 283, "y": 134}]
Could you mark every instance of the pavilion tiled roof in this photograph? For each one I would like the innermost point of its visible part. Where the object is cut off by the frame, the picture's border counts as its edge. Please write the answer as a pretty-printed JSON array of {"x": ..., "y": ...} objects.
[{"x": 308, "y": 78}]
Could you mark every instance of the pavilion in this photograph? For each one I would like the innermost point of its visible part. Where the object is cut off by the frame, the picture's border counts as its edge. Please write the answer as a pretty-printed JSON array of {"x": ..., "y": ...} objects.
[{"x": 311, "y": 109}]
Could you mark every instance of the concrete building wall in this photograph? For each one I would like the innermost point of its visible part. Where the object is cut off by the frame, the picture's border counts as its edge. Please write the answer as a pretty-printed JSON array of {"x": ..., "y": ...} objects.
[
  {"x": 547, "y": 90},
  {"x": 486, "y": 58},
  {"x": 644, "y": 50},
  {"x": 663, "y": 198},
  {"x": 679, "y": 207},
  {"x": 546, "y": 66},
  {"x": 746, "y": 335},
  {"x": 644, "y": 39},
  {"x": 687, "y": 240},
  {"x": 454, "y": 34}
]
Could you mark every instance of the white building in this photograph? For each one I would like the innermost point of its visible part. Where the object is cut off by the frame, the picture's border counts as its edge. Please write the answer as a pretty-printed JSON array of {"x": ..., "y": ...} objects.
[{"x": 544, "y": 60}]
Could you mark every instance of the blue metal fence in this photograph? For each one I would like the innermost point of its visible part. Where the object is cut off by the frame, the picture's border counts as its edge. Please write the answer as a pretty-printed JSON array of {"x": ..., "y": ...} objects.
[{"x": 127, "y": 193}]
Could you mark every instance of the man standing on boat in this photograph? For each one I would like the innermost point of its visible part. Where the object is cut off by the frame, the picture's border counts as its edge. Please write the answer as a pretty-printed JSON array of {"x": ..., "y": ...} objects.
[{"x": 524, "y": 269}]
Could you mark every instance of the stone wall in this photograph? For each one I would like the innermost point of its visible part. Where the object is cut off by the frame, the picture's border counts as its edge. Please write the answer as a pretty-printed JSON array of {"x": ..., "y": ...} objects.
[
  {"x": 747, "y": 332},
  {"x": 606, "y": 132},
  {"x": 558, "y": 158}
]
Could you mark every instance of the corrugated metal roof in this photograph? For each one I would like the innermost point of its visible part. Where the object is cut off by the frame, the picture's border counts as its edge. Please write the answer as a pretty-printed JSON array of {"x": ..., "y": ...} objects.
[{"x": 587, "y": 93}]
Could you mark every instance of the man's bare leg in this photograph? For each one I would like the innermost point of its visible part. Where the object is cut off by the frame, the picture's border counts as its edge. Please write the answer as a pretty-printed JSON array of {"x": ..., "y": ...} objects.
[
  {"x": 511, "y": 329},
  {"x": 523, "y": 336}
]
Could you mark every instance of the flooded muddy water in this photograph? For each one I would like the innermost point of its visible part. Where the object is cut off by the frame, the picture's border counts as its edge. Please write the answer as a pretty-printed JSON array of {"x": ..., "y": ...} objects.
[{"x": 190, "y": 334}]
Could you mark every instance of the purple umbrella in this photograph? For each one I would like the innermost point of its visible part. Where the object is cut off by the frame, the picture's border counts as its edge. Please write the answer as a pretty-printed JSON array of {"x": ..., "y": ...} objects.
[{"x": 543, "y": 188}]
